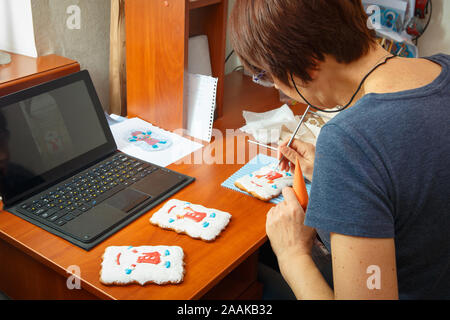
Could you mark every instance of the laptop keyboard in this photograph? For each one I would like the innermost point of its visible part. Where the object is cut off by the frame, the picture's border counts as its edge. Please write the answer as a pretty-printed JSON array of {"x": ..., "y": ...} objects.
[{"x": 86, "y": 190}]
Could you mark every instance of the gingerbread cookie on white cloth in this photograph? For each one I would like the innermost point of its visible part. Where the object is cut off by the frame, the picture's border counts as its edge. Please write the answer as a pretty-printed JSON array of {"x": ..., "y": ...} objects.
[
  {"x": 194, "y": 220},
  {"x": 266, "y": 183},
  {"x": 142, "y": 265}
]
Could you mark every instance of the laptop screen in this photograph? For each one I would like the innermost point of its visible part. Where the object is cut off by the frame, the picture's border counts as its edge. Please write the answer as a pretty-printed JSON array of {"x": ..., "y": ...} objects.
[{"x": 45, "y": 132}]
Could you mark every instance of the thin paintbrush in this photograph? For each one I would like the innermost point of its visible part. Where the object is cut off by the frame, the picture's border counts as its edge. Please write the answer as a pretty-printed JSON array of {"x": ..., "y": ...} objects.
[
  {"x": 295, "y": 133},
  {"x": 263, "y": 145}
]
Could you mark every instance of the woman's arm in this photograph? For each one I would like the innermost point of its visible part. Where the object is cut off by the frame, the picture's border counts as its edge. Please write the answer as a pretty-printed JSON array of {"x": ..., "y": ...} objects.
[
  {"x": 304, "y": 278},
  {"x": 291, "y": 242},
  {"x": 363, "y": 268}
]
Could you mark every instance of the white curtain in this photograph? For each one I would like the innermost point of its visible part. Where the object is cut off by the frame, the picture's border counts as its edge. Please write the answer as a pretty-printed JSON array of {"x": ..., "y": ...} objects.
[
  {"x": 117, "y": 62},
  {"x": 16, "y": 27}
]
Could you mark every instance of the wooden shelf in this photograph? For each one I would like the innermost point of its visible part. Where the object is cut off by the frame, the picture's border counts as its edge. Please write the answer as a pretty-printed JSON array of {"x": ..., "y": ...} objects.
[
  {"x": 157, "y": 35},
  {"x": 24, "y": 72},
  {"x": 195, "y": 4}
]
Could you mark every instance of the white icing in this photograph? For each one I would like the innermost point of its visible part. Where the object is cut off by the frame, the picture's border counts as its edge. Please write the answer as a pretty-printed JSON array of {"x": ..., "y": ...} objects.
[
  {"x": 115, "y": 266},
  {"x": 173, "y": 216},
  {"x": 258, "y": 182}
]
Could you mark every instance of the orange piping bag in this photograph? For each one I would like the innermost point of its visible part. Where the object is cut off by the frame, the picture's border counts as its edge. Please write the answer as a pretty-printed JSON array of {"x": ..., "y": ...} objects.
[{"x": 300, "y": 186}]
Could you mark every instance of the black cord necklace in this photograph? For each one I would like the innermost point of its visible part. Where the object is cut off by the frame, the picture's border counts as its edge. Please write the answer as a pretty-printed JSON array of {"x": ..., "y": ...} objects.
[{"x": 354, "y": 95}]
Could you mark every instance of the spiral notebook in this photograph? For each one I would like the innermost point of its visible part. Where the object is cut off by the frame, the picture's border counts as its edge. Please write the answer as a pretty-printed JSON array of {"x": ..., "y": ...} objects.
[{"x": 201, "y": 105}]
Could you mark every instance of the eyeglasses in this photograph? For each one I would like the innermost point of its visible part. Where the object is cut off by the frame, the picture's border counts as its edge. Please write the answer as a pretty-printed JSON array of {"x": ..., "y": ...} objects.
[
  {"x": 260, "y": 76},
  {"x": 263, "y": 78}
]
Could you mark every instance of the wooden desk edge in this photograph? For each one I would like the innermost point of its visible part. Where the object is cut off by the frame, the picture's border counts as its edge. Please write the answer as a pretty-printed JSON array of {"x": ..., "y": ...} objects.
[
  {"x": 100, "y": 293},
  {"x": 41, "y": 74},
  {"x": 60, "y": 270},
  {"x": 34, "y": 71},
  {"x": 230, "y": 268}
]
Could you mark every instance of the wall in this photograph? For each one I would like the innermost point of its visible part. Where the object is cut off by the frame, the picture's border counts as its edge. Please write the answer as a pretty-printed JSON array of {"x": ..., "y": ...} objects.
[
  {"x": 89, "y": 45},
  {"x": 234, "y": 61},
  {"x": 436, "y": 38}
]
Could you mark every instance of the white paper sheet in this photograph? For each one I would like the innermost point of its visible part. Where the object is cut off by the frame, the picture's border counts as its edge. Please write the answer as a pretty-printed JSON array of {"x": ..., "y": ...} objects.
[{"x": 177, "y": 147}]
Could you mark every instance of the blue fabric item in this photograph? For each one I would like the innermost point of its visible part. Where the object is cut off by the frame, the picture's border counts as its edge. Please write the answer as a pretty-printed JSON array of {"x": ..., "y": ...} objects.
[
  {"x": 383, "y": 171},
  {"x": 258, "y": 162}
]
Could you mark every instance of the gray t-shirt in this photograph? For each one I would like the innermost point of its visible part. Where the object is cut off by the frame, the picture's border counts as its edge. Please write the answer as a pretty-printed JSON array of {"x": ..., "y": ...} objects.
[{"x": 382, "y": 170}]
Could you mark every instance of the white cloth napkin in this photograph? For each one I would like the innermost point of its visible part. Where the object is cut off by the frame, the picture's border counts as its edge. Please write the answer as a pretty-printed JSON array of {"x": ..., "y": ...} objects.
[
  {"x": 279, "y": 124},
  {"x": 266, "y": 127}
]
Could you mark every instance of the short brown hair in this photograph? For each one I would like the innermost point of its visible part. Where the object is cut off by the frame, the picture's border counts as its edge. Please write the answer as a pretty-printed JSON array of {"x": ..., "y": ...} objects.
[{"x": 284, "y": 36}]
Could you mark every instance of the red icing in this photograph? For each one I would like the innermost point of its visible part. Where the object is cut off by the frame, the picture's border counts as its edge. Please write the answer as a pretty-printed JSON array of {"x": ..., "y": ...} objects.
[
  {"x": 118, "y": 259},
  {"x": 134, "y": 251},
  {"x": 151, "y": 257},
  {"x": 195, "y": 215},
  {"x": 171, "y": 209},
  {"x": 256, "y": 184},
  {"x": 272, "y": 175}
]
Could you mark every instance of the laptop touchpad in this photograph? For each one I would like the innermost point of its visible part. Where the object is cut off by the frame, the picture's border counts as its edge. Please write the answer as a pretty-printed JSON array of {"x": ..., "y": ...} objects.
[
  {"x": 127, "y": 200},
  {"x": 158, "y": 183}
]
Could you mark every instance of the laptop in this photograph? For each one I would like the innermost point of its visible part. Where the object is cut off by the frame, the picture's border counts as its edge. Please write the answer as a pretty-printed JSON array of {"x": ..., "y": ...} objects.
[{"x": 60, "y": 168}]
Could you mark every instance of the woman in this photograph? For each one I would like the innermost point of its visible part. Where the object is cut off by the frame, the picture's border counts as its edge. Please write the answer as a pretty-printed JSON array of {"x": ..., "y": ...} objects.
[{"x": 380, "y": 197}]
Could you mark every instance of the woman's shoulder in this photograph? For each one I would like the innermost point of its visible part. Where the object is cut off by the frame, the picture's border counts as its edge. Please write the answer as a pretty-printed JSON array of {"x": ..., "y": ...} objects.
[
  {"x": 440, "y": 57},
  {"x": 410, "y": 78}
]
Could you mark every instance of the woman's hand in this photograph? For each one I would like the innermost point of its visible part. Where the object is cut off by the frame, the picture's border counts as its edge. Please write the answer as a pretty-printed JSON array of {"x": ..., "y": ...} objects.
[
  {"x": 284, "y": 226},
  {"x": 304, "y": 152}
]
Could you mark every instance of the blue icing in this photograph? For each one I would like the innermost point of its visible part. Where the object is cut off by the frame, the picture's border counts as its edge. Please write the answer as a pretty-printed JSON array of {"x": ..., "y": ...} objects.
[
  {"x": 274, "y": 186},
  {"x": 163, "y": 142},
  {"x": 130, "y": 247},
  {"x": 155, "y": 146},
  {"x": 167, "y": 253},
  {"x": 288, "y": 174},
  {"x": 128, "y": 271},
  {"x": 167, "y": 264},
  {"x": 171, "y": 220},
  {"x": 213, "y": 215},
  {"x": 205, "y": 225}
]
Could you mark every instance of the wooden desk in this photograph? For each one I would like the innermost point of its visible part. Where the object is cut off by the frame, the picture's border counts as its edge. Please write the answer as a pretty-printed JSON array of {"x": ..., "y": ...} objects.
[{"x": 36, "y": 261}]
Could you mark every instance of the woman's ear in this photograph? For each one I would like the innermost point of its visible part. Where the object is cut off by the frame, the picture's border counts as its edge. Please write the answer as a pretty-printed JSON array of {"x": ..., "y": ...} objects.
[{"x": 314, "y": 73}]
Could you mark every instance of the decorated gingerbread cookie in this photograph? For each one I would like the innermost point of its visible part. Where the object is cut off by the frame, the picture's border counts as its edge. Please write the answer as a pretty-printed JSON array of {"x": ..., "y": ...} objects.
[
  {"x": 142, "y": 265},
  {"x": 266, "y": 183},
  {"x": 194, "y": 220}
]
